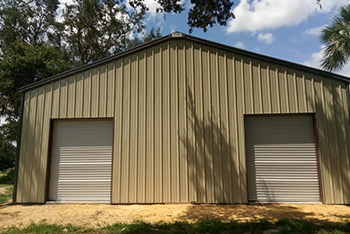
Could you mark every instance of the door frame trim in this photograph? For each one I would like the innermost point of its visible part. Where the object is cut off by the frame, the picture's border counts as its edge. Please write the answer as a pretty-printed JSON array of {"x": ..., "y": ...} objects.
[{"x": 318, "y": 159}]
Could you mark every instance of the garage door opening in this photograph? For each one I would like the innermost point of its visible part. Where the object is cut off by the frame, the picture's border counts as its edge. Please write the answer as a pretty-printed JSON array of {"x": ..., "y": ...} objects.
[
  {"x": 281, "y": 159},
  {"x": 81, "y": 161}
]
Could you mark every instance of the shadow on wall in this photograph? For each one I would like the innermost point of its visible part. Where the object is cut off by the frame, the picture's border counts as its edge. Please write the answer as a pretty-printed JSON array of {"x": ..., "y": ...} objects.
[
  {"x": 213, "y": 175},
  {"x": 215, "y": 172},
  {"x": 333, "y": 140},
  {"x": 269, "y": 194}
]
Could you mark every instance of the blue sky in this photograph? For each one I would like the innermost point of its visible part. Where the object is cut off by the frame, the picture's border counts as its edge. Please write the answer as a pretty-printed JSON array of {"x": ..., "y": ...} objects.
[{"x": 285, "y": 29}]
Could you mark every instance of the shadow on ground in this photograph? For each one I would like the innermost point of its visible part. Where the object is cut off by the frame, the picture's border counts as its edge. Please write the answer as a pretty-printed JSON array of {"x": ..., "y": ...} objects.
[{"x": 325, "y": 214}]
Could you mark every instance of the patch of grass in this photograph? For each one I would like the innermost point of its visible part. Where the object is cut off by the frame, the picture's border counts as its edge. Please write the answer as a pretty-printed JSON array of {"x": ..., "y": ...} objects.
[
  {"x": 46, "y": 229},
  {"x": 303, "y": 226},
  {"x": 200, "y": 227},
  {"x": 6, "y": 182},
  {"x": 7, "y": 195},
  {"x": 299, "y": 226}
]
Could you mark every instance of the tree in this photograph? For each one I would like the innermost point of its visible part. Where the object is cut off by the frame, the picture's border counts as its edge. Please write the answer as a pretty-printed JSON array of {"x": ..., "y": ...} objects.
[
  {"x": 25, "y": 57},
  {"x": 336, "y": 38},
  {"x": 202, "y": 14},
  {"x": 23, "y": 64},
  {"x": 28, "y": 21},
  {"x": 152, "y": 35},
  {"x": 208, "y": 13},
  {"x": 34, "y": 44},
  {"x": 94, "y": 29},
  {"x": 8, "y": 134}
]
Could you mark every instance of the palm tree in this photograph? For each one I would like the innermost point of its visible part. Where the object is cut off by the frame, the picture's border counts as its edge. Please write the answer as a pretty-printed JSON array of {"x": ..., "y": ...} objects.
[{"x": 336, "y": 39}]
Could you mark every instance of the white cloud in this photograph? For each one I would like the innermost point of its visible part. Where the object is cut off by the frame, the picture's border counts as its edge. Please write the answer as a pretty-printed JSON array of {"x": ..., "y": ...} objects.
[
  {"x": 257, "y": 15},
  {"x": 240, "y": 45},
  {"x": 68, "y": 2},
  {"x": 2, "y": 120},
  {"x": 152, "y": 9},
  {"x": 315, "y": 61},
  {"x": 152, "y": 5},
  {"x": 188, "y": 4},
  {"x": 61, "y": 8},
  {"x": 314, "y": 31},
  {"x": 172, "y": 28},
  {"x": 268, "y": 38}
]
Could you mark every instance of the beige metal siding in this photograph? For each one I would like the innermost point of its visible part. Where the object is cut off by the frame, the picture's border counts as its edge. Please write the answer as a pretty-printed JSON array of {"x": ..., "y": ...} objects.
[
  {"x": 179, "y": 122},
  {"x": 281, "y": 159},
  {"x": 81, "y": 160}
]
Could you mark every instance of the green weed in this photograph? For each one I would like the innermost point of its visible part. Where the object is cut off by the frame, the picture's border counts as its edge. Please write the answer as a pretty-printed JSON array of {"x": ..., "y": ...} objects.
[{"x": 200, "y": 227}]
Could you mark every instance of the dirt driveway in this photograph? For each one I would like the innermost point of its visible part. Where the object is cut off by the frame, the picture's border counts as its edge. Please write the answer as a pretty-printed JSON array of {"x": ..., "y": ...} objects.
[{"x": 93, "y": 215}]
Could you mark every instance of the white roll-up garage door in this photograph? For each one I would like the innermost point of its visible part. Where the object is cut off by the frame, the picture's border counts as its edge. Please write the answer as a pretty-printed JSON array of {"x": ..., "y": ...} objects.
[
  {"x": 281, "y": 159},
  {"x": 81, "y": 160}
]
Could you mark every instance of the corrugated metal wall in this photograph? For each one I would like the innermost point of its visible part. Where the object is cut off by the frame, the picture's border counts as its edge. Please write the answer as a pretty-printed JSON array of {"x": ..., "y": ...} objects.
[{"x": 179, "y": 122}]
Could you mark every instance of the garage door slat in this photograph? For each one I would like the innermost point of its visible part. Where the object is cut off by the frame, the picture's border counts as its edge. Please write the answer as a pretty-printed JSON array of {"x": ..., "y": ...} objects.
[
  {"x": 281, "y": 159},
  {"x": 81, "y": 160}
]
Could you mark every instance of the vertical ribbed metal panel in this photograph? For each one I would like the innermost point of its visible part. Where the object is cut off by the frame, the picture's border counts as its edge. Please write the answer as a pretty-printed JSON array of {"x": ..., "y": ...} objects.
[
  {"x": 81, "y": 160},
  {"x": 345, "y": 134},
  {"x": 71, "y": 97},
  {"x": 281, "y": 159},
  {"x": 150, "y": 179},
  {"x": 202, "y": 114},
  {"x": 30, "y": 187},
  {"x": 190, "y": 138},
  {"x": 134, "y": 103},
  {"x": 182, "y": 104},
  {"x": 118, "y": 125},
  {"x": 141, "y": 136},
  {"x": 36, "y": 167},
  {"x": 158, "y": 175},
  {"x": 179, "y": 111}
]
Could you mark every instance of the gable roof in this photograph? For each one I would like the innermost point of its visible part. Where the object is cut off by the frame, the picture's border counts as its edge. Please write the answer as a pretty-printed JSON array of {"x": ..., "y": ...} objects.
[{"x": 179, "y": 35}]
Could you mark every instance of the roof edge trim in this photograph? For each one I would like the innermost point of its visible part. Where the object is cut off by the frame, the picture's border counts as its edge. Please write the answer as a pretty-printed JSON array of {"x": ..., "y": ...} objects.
[
  {"x": 177, "y": 35},
  {"x": 266, "y": 58}
]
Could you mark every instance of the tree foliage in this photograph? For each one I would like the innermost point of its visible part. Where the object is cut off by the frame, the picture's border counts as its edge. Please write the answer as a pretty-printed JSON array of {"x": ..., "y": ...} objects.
[
  {"x": 38, "y": 40},
  {"x": 7, "y": 154},
  {"x": 202, "y": 13},
  {"x": 94, "y": 29},
  {"x": 336, "y": 38},
  {"x": 27, "y": 21},
  {"x": 208, "y": 13},
  {"x": 23, "y": 64},
  {"x": 152, "y": 35},
  {"x": 8, "y": 134},
  {"x": 25, "y": 57}
]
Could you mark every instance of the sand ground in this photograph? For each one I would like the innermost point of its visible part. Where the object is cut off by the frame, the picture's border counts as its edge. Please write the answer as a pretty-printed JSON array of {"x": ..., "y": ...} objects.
[
  {"x": 94, "y": 215},
  {"x": 3, "y": 189}
]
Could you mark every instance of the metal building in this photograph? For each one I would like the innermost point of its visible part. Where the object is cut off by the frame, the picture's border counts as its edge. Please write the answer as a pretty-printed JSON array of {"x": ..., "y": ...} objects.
[{"x": 182, "y": 119}]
